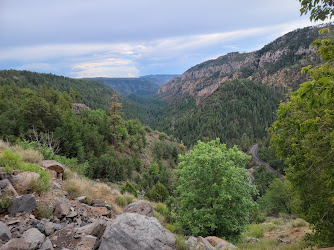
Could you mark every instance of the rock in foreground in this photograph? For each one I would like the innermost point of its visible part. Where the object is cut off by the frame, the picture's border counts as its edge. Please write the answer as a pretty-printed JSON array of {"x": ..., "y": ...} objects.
[{"x": 135, "y": 231}]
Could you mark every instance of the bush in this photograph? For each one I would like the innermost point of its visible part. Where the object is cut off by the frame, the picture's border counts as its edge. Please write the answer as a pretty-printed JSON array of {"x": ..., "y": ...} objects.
[
  {"x": 74, "y": 188},
  {"x": 161, "y": 208},
  {"x": 181, "y": 243},
  {"x": 255, "y": 231},
  {"x": 162, "y": 136},
  {"x": 158, "y": 193},
  {"x": 5, "y": 202},
  {"x": 120, "y": 201},
  {"x": 128, "y": 199},
  {"x": 43, "y": 211},
  {"x": 128, "y": 187}
]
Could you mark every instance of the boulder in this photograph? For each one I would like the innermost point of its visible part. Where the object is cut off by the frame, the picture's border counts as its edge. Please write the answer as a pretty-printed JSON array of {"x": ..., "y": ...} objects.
[
  {"x": 82, "y": 199},
  {"x": 100, "y": 210},
  {"x": 53, "y": 165},
  {"x": 16, "y": 243},
  {"x": 204, "y": 243},
  {"x": 7, "y": 187},
  {"x": 192, "y": 242},
  {"x": 5, "y": 234},
  {"x": 96, "y": 228},
  {"x": 62, "y": 207},
  {"x": 23, "y": 204},
  {"x": 140, "y": 207},
  {"x": 98, "y": 202},
  {"x": 49, "y": 228},
  {"x": 22, "y": 181},
  {"x": 34, "y": 237},
  {"x": 86, "y": 242},
  {"x": 136, "y": 231},
  {"x": 47, "y": 245}
]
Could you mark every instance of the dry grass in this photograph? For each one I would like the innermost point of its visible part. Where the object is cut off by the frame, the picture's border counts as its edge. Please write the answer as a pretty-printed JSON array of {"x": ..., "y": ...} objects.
[{"x": 28, "y": 155}]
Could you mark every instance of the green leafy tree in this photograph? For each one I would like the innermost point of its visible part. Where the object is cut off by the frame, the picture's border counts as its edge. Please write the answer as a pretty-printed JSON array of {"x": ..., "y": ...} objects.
[
  {"x": 158, "y": 193},
  {"x": 320, "y": 9},
  {"x": 213, "y": 194},
  {"x": 303, "y": 135},
  {"x": 262, "y": 179}
]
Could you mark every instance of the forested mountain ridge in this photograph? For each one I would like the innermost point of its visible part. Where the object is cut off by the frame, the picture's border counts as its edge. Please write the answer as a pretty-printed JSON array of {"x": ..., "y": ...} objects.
[
  {"x": 126, "y": 86},
  {"x": 278, "y": 64},
  {"x": 159, "y": 79}
]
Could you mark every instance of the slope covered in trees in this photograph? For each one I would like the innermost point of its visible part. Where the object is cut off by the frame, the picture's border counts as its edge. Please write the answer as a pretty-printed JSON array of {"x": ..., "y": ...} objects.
[{"x": 238, "y": 112}]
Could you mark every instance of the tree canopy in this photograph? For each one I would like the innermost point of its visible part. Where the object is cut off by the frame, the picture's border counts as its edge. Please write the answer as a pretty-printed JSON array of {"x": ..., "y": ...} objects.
[
  {"x": 303, "y": 135},
  {"x": 320, "y": 9},
  {"x": 213, "y": 194}
]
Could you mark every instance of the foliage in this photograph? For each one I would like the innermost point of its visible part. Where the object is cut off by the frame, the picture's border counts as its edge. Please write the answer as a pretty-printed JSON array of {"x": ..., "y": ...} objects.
[
  {"x": 213, "y": 191},
  {"x": 278, "y": 198},
  {"x": 255, "y": 231},
  {"x": 238, "y": 112},
  {"x": 320, "y": 9},
  {"x": 43, "y": 211},
  {"x": 180, "y": 243},
  {"x": 120, "y": 201},
  {"x": 13, "y": 160},
  {"x": 303, "y": 136},
  {"x": 158, "y": 193},
  {"x": 262, "y": 179},
  {"x": 161, "y": 208},
  {"x": 5, "y": 202},
  {"x": 128, "y": 187}
]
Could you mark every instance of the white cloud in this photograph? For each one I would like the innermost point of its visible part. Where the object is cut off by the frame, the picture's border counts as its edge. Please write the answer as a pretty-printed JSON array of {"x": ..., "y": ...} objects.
[{"x": 128, "y": 58}]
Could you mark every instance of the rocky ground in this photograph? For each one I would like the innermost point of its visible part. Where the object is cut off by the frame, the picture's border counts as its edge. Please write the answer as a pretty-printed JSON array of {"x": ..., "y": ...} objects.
[{"x": 54, "y": 221}]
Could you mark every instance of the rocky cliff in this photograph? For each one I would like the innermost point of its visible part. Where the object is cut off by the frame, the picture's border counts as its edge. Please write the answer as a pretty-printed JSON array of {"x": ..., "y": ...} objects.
[{"x": 278, "y": 63}]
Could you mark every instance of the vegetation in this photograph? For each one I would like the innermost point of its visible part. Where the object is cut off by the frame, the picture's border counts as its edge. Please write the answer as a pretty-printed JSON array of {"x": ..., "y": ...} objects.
[
  {"x": 129, "y": 188},
  {"x": 320, "y": 9},
  {"x": 158, "y": 193},
  {"x": 213, "y": 191},
  {"x": 238, "y": 113},
  {"x": 303, "y": 136}
]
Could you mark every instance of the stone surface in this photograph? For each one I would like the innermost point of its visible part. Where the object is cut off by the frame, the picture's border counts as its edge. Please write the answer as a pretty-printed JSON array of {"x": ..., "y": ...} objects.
[
  {"x": 22, "y": 181},
  {"x": 205, "y": 243},
  {"x": 49, "y": 228},
  {"x": 5, "y": 234},
  {"x": 96, "y": 228},
  {"x": 24, "y": 204},
  {"x": 140, "y": 207},
  {"x": 53, "y": 165},
  {"x": 82, "y": 199},
  {"x": 47, "y": 245},
  {"x": 136, "y": 231},
  {"x": 62, "y": 207},
  {"x": 15, "y": 244},
  {"x": 101, "y": 210},
  {"x": 78, "y": 107},
  {"x": 98, "y": 202},
  {"x": 34, "y": 237},
  {"x": 7, "y": 187},
  {"x": 86, "y": 242}
]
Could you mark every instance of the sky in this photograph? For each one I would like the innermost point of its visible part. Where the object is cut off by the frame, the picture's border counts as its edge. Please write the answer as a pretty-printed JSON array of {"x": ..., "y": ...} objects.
[{"x": 131, "y": 38}]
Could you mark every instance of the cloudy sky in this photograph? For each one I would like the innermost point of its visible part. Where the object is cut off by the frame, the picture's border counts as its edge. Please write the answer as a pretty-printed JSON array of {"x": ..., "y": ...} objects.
[{"x": 125, "y": 38}]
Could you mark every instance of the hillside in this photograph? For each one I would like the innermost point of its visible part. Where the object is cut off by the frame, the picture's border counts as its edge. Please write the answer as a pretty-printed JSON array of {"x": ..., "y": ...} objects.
[
  {"x": 159, "y": 79},
  {"x": 126, "y": 86},
  {"x": 277, "y": 64}
]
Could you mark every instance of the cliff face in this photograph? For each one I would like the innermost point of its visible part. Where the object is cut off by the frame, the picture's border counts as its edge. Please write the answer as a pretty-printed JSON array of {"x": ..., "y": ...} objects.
[{"x": 278, "y": 63}]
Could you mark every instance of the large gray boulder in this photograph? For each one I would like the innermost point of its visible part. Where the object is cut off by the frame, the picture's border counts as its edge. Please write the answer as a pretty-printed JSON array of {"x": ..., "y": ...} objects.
[
  {"x": 24, "y": 204},
  {"x": 16, "y": 243},
  {"x": 34, "y": 237},
  {"x": 140, "y": 207},
  {"x": 53, "y": 165},
  {"x": 22, "y": 181},
  {"x": 5, "y": 234},
  {"x": 136, "y": 232},
  {"x": 62, "y": 207}
]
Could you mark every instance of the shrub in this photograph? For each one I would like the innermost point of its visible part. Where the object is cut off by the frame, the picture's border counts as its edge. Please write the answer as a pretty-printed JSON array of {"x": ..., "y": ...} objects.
[
  {"x": 162, "y": 136},
  {"x": 255, "y": 231},
  {"x": 128, "y": 199},
  {"x": 8, "y": 169},
  {"x": 120, "y": 201},
  {"x": 43, "y": 211},
  {"x": 158, "y": 193},
  {"x": 28, "y": 155},
  {"x": 128, "y": 187},
  {"x": 161, "y": 208},
  {"x": 74, "y": 188},
  {"x": 11, "y": 159},
  {"x": 181, "y": 243},
  {"x": 298, "y": 223},
  {"x": 5, "y": 202}
]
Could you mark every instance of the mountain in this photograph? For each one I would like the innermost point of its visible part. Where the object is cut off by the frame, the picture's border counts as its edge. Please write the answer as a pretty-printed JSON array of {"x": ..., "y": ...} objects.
[
  {"x": 277, "y": 64},
  {"x": 126, "y": 86},
  {"x": 160, "y": 79},
  {"x": 92, "y": 93}
]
